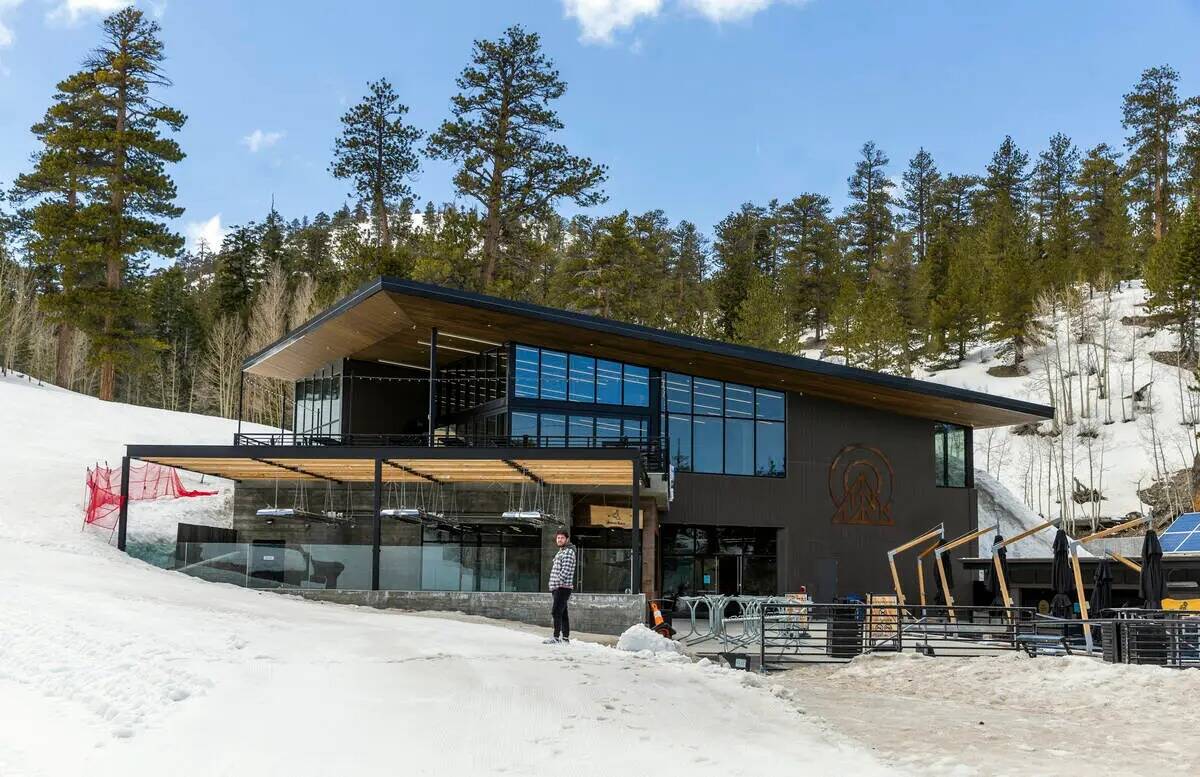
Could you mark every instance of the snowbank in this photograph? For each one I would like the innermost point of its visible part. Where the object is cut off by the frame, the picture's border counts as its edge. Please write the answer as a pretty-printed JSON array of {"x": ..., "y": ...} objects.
[
  {"x": 638, "y": 638},
  {"x": 1057, "y": 686}
]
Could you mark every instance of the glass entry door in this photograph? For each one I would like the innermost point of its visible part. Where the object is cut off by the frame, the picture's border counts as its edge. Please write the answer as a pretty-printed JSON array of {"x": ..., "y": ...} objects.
[{"x": 718, "y": 560}]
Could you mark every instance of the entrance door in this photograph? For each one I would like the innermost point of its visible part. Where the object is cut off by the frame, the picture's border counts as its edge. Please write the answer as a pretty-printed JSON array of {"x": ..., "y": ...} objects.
[{"x": 729, "y": 580}]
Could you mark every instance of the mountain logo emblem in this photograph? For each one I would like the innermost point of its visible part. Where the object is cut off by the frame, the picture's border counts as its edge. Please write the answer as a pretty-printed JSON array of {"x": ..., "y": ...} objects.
[{"x": 860, "y": 485}]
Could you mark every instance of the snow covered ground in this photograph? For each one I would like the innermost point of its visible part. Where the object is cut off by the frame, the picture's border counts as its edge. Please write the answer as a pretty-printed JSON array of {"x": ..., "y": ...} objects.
[
  {"x": 1010, "y": 714},
  {"x": 109, "y": 666}
]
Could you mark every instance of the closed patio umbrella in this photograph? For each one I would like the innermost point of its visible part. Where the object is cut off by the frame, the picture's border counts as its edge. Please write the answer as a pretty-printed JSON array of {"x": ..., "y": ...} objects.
[
  {"x": 990, "y": 580},
  {"x": 1060, "y": 576},
  {"x": 1101, "y": 589},
  {"x": 1153, "y": 580}
]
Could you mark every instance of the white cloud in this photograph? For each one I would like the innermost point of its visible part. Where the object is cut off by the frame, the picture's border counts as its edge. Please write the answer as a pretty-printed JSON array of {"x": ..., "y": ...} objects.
[
  {"x": 71, "y": 11},
  {"x": 210, "y": 231},
  {"x": 6, "y": 34},
  {"x": 258, "y": 140},
  {"x": 598, "y": 19}
]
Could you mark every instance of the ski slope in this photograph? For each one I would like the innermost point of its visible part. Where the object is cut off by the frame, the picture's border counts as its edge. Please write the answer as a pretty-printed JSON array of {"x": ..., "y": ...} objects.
[{"x": 109, "y": 666}]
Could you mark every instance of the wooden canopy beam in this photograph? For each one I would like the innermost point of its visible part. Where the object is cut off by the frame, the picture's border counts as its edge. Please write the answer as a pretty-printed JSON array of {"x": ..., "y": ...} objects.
[
  {"x": 941, "y": 550},
  {"x": 411, "y": 471},
  {"x": 298, "y": 470},
  {"x": 936, "y": 532}
]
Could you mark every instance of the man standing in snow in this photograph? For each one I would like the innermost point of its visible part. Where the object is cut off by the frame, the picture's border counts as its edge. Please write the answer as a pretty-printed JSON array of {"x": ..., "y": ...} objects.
[{"x": 562, "y": 580}]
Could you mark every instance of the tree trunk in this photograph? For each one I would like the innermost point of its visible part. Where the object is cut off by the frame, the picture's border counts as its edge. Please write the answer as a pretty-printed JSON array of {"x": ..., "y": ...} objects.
[
  {"x": 62, "y": 355},
  {"x": 113, "y": 269},
  {"x": 491, "y": 225}
]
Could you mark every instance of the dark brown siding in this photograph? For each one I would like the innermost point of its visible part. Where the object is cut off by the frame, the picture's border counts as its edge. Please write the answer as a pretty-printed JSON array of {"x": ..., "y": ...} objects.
[{"x": 800, "y": 504}]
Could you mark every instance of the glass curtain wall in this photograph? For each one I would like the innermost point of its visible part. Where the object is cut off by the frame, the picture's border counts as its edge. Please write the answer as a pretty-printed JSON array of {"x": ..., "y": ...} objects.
[
  {"x": 318, "y": 403},
  {"x": 482, "y": 557},
  {"x": 726, "y": 428}
]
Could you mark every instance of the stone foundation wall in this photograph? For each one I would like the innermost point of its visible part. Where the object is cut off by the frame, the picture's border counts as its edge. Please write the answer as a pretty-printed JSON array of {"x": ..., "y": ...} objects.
[{"x": 596, "y": 613}]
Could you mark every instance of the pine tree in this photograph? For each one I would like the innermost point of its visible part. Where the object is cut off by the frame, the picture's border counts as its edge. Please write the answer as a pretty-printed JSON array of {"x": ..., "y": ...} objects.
[
  {"x": 951, "y": 218},
  {"x": 130, "y": 179},
  {"x": 763, "y": 322},
  {"x": 904, "y": 286},
  {"x": 1007, "y": 253},
  {"x": 920, "y": 185},
  {"x": 687, "y": 294},
  {"x": 810, "y": 260},
  {"x": 1057, "y": 212},
  {"x": 239, "y": 270},
  {"x": 869, "y": 215},
  {"x": 743, "y": 249},
  {"x": 500, "y": 136},
  {"x": 843, "y": 321},
  {"x": 879, "y": 331},
  {"x": 1154, "y": 114},
  {"x": 958, "y": 311},
  {"x": 376, "y": 152},
  {"x": 1106, "y": 233},
  {"x": 1187, "y": 279},
  {"x": 53, "y": 196}
]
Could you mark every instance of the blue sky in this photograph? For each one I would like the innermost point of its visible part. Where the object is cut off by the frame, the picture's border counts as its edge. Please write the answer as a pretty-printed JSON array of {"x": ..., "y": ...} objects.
[{"x": 695, "y": 105}]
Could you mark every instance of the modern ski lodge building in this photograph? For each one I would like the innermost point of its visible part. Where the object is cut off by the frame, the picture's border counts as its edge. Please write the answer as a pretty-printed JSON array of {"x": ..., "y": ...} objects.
[{"x": 440, "y": 437}]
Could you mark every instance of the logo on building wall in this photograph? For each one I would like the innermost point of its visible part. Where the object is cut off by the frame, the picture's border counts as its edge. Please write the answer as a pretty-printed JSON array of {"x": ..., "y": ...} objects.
[{"x": 860, "y": 485}]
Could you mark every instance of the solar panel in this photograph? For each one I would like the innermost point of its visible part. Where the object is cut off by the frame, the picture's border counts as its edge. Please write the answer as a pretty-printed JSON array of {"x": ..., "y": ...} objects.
[{"x": 1183, "y": 535}]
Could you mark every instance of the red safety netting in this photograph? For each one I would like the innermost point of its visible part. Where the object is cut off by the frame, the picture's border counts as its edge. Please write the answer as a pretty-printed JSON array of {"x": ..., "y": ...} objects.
[{"x": 146, "y": 481}]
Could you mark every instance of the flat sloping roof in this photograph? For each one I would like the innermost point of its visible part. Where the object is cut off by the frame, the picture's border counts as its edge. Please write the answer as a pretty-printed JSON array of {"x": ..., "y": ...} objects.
[{"x": 389, "y": 319}]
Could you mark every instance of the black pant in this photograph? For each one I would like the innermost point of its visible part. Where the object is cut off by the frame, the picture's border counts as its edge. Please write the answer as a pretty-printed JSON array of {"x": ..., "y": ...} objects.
[{"x": 562, "y": 623}]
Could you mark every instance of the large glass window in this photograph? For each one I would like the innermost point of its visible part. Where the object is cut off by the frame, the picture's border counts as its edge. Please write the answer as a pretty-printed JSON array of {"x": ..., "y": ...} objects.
[
  {"x": 709, "y": 396},
  {"x": 608, "y": 382},
  {"x": 718, "y": 427},
  {"x": 950, "y": 455},
  {"x": 707, "y": 444},
  {"x": 678, "y": 393},
  {"x": 768, "y": 448},
  {"x": 583, "y": 378},
  {"x": 527, "y": 372},
  {"x": 318, "y": 404},
  {"x": 554, "y": 429},
  {"x": 679, "y": 438},
  {"x": 554, "y": 375},
  {"x": 739, "y": 446},
  {"x": 637, "y": 386}
]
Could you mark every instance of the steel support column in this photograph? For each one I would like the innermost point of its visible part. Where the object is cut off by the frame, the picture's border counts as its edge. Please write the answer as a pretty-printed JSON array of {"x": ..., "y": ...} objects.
[
  {"x": 635, "y": 582},
  {"x": 432, "y": 383},
  {"x": 123, "y": 510},
  {"x": 241, "y": 393},
  {"x": 376, "y": 524}
]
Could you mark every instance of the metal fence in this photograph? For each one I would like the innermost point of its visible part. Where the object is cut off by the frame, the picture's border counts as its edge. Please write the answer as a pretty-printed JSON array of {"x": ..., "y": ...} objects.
[
  {"x": 792, "y": 633},
  {"x": 1171, "y": 641}
]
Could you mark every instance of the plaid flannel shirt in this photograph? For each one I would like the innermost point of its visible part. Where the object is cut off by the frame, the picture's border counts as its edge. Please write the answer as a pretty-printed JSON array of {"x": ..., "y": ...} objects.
[{"x": 562, "y": 572}]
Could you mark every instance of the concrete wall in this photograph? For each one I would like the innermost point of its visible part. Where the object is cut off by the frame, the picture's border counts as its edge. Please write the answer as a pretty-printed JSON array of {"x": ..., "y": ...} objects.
[
  {"x": 596, "y": 613},
  {"x": 828, "y": 557}
]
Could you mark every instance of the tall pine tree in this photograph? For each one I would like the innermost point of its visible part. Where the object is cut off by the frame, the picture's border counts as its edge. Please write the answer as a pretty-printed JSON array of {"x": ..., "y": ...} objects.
[
  {"x": 500, "y": 133},
  {"x": 376, "y": 152},
  {"x": 869, "y": 215},
  {"x": 920, "y": 185},
  {"x": 130, "y": 181},
  {"x": 1153, "y": 114}
]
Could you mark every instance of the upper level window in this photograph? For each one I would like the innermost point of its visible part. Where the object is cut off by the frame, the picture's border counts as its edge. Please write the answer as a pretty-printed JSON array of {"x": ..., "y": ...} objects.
[
  {"x": 950, "y": 455},
  {"x": 544, "y": 374},
  {"x": 718, "y": 427}
]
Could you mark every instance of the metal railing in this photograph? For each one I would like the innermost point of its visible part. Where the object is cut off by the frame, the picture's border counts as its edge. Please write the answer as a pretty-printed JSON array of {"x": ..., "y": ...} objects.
[
  {"x": 793, "y": 632},
  {"x": 1169, "y": 639},
  {"x": 651, "y": 449}
]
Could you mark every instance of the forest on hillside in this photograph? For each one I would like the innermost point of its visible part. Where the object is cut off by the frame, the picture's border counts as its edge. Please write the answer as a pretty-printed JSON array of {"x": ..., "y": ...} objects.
[{"x": 98, "y": 294}]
